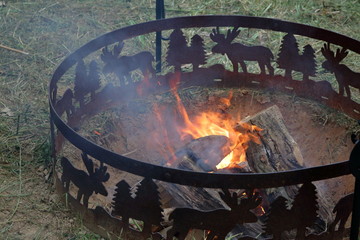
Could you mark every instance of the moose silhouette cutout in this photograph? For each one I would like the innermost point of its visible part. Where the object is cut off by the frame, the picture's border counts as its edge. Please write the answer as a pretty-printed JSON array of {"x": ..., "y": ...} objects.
[
  {"x": 343, "y": 74},
  {"x": 187, "y": 218},
  {"x": 87, "y": 183},
  {"x": 122, "y": 66},
  {"x": 238, "y": 53}
]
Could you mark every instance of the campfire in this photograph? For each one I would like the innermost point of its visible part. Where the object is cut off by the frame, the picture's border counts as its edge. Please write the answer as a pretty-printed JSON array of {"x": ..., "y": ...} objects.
[
  {"x": 210, "y": 135},
  {"x": 249, "y": 154}
]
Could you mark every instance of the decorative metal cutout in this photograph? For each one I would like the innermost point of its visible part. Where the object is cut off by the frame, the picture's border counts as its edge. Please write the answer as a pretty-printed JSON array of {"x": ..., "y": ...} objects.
[
  {"x": 277, "y": 218},
  {"x": 122, "y": 199},
  {"x": 355, "y": 170},
  {"x": 122, "y": 66},
  {"x": 178, "y": 52},
  {"x": 88, "y": 183},
  {"x": 290, "y": 59},
  {"x": 343, "y": 210},
  {"x": 145, "y": 206},
  {"x": 90, "y": 96},
  {"x": 281, "y": 219},
  {"x": 198, "y": 51},
  {"x": 65, "y": 104},
  {"x": 343, "y": 74},
  {"x": 185, "y": 219},
  {"x": 86, "y": 82},
  {"x": 238, "y": 53}
]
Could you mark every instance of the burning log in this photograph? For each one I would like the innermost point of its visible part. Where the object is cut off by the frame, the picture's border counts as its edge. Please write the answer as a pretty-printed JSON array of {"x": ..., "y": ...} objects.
[
  {"x": 205, "y": 152},
  {"x": 200, "y": 154},
  {"x": 276, "y": 151}
]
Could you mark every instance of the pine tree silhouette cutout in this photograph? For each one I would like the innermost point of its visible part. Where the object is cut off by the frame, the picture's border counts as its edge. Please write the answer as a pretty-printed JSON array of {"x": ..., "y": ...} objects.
[
  {"x": 289, "y": 54},
  {"x": 147, "y": 203},
  {"x": 197, "y": 51},
  {"x": 93, "y": 79},
  {"x": 308, "y": 62},
  {"x": 122, "y": 202},
  {"x": 80, "y": 89},
  {"x": 304, "y": 209},
  {"x": 278, "y": 218},
  {"x": 177, "y": 51}
]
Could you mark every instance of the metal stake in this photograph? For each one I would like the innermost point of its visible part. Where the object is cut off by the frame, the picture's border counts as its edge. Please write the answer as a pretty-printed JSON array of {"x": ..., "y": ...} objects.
[
  {"x": 160, "y": 13},
  {"x": 355, "y": 170}
]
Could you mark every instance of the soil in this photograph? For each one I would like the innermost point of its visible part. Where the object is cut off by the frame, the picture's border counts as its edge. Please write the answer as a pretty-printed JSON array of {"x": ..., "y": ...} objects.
[{"x": 36, "y": 212}]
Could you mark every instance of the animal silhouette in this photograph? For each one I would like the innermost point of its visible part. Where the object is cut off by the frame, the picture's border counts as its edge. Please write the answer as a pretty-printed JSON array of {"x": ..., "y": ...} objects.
[
  {"x": 343, "y": 210},
  {"x": 87, "y": 183},
  {"x": 343, "y": 74},
  {"x": 187, "y": 218},
  {"x": 238, "y": 53},
  {"x": 123, "y": 65},
  {"x": 65, "y": 104}
]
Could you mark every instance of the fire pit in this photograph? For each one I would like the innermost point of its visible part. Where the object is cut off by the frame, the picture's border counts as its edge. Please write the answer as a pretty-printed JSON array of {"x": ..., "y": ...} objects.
[{"x": 140, "y": 153}]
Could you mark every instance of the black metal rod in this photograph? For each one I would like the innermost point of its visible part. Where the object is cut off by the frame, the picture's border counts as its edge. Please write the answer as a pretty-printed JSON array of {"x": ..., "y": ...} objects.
[
  {"x": 355, "y": 221},
  {"x": 354, "y": 164},
  {"x": 160, "y": 13}
]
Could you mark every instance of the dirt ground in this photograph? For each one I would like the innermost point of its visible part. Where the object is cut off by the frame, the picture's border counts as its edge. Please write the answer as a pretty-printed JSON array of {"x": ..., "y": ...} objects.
[{"x": 35, "y": 212}]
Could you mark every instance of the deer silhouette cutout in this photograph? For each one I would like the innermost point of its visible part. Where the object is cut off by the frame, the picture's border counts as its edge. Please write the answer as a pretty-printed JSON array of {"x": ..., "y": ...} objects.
[
  {"x": 343, "y": 74},
  {"x": 238, "y": 53},
  {"x": 220, "y": 221},
  {"x": 123, "y": 65},
  {"x": 87, "y": 183}
]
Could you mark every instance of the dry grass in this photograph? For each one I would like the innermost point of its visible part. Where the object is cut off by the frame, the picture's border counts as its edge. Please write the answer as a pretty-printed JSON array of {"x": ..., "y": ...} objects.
[{"x": 51, "y": 29}]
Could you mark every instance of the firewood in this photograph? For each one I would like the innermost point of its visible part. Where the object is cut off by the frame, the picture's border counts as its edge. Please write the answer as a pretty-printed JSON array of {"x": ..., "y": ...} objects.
[
  {"x": 277, "y": 151},
  {"x": 205, "y": 152},
  {"x": 200, "y": 155}
]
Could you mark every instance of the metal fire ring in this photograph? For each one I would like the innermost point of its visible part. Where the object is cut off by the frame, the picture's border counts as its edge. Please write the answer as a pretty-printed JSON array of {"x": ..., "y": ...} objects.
[{"x": 73, "y": 103}]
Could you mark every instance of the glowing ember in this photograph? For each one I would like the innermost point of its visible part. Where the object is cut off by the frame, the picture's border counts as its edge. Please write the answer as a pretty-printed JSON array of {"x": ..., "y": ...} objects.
[{"x": 215, "y": 123}]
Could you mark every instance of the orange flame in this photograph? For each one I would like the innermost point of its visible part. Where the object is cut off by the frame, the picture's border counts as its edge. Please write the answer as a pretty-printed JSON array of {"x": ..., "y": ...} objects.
[
  {"x": 217, "y": 123},
  {"x": 206, "y": 123},
  {"x": 214, "y": 123},
  {"x": 161, "y": 137}
]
